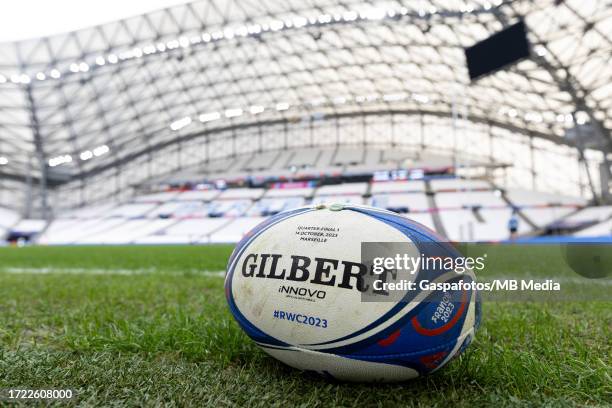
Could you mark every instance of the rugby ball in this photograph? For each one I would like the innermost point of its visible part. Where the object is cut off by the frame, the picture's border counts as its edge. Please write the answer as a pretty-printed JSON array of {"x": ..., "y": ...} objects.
[{"x": 298, "y": 285}]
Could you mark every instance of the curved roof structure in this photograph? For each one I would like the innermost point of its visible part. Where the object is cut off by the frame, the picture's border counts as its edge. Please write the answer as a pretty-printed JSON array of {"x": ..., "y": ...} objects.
[{"x": 88, "y": 100}]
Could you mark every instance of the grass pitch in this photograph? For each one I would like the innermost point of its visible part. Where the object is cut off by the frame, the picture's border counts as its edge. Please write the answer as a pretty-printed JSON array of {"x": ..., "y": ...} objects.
[{"x": 149, "y": 326}]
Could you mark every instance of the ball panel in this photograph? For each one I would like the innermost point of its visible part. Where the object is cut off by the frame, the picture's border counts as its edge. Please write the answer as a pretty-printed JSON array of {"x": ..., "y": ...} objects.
[
  {"x": 340, "y": 367},
  {"x": 249, "y": 327}
]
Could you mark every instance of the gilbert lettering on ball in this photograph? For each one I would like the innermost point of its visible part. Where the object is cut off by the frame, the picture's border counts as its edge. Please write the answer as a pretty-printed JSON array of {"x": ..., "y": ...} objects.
[{"x": 297, "y": 285}]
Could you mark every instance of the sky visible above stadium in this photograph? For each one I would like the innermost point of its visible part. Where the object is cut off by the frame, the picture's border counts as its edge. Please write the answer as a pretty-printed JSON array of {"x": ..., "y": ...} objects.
[{"x": 26, "y": 19}]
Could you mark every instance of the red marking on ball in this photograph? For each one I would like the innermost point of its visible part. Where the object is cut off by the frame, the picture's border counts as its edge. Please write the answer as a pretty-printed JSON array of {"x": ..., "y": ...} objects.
[
  {"x": 389, "y": 340},
  {"x": 434, "y": 360}
]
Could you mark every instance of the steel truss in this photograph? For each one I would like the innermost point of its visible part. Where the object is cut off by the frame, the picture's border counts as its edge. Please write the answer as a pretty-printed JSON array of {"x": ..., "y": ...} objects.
[{"x": 123, "y": 85}]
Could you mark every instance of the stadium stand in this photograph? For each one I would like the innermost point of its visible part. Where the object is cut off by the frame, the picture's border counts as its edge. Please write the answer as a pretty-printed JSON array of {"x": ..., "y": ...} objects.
[
  {"x": 231, "y": 208},
  {"x": 261, "y": 162},
  {"x": 201, "y": 195},
  {"x": 235, "y": 230},
  {"x": 411, "y": 186},
  {"x": 219, "y": 155},
  {"x": 290, "y": 192},
  {"x": 460, "y": 209},
  {"x": 468, "y": 199},
  {"x": 126, "y": 232},
  {"x": 523, "y": 198},
  {"x": 455, "y": 184},
  {"x": 98, "y": 210},
  {"x": 271, "y": 206},
  {"x": 28, "y": 226},
  {"x": 345, "y": 199},
  {"x": 306, "y": 159},
  {"x": 158, "y": 197},
  {"x": 132, "y": 210},
  {"x": 542, "y": 217},
  {"x": 342, "y": 189},
  {"x": 8, "y": 217},
  {"x": 591, "y": 215},
  {"x": 345, "y": 156},
  {"x": 189, "y": 231},
  {"x": 590, "y": 221},
  {"x": 402, "y": 203},
  {"x": 598, "y": 230},
  {"x": 178, "y": 208},
  {"x": 244, "y": 193},
  {"x": 77, "y": 232}
]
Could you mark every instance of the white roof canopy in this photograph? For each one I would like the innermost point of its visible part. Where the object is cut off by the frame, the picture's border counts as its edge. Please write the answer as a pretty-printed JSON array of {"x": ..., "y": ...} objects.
[{"x": 129, "y": 86}]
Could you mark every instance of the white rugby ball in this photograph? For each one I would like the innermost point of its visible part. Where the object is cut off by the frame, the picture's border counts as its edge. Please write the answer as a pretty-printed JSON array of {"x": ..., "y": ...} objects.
[{"x": 296, "y": 285}]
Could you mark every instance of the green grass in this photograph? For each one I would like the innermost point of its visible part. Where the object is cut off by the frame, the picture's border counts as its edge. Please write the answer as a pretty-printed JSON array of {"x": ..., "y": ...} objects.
[
  {"x": 163, "y": 258},
  {"x": 165, "y": 336}
]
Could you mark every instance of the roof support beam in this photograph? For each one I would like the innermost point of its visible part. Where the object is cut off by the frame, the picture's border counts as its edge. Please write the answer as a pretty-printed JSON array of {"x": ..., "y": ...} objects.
[
  {"x": 40, "y": 154},
  {"x": 567, "y": 83}
]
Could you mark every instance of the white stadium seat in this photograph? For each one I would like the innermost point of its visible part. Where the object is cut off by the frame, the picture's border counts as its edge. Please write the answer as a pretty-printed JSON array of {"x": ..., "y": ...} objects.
[
  {"x": 77, "y": 232},
  {"x": 187, "y": 231},
  {"x": 469, "y": 199},
  {"x": 261, "y": 161},
  {"x": 305, "y": 158},
  {"x": 397, "y": 186},
  {"x": 280, "y": 161},
  {"x": 591, "y": 214},
  {"x": 400, "y": 202},
  {"x": 126, "y": 232},
  {"x": 345, "y": 199},
  {"x": 520, "y": 197},
  {"x": 29, "y": 226},
  {"x": 233, "y": 193},
  {"x": 602, "y": 229},
  {"x": 289, "y": 192},
  {"x": 545, "y": 216},
  {"x": 93, "y": 211},
  {"x": 228, "y": 208},
  {"x": 235, "y": 230},
  {"x": 270, "y": 206},
  {"x": 57, "y": 228},
  {"x": 348, "y": 156},
  {"x": 395, "y": 156},
  {"x": 156, "y": 197},
  {"x": 166, "y": 210},
  {"x": 8, "y": 217},
  {"x": 463, "y": 225},
  {"x": 181, "y": 209},
  {"x": 458, "y": 184},
  {"x": 341, "y": 189},
  {"x": 324, "y": 160},
  {"x": 132, "y": 210},
  {"x": 198, "y": 195}
]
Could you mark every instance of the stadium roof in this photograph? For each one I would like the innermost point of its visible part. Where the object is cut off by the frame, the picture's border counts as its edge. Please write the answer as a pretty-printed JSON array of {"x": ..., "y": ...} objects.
[{"x": 88, "y": 99}]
